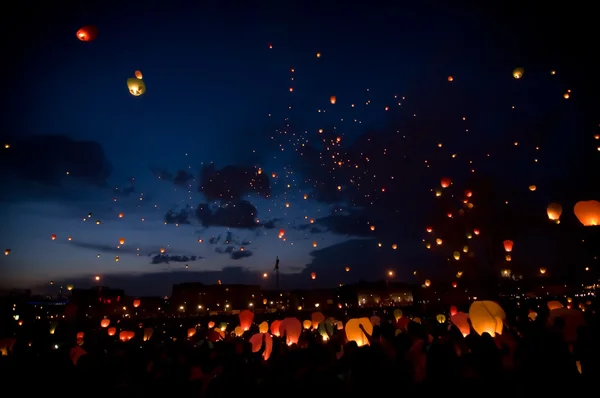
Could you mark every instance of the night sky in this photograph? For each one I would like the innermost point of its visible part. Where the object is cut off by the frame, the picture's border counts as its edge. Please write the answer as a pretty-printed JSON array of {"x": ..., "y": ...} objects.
[{"x": 236, "y": 138}]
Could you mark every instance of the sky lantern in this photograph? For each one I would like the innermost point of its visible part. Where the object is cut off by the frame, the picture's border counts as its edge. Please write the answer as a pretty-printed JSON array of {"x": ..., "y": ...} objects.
[
  {"x": 246, "y": 318},
  {"x": 554, "y": 304},
  {"x": 263, "y": 327},
  {"x": 162, "y": 250},
  {"x": 347, "y": 269},
  {"x": 427, "y": 283},
  {"x": 532, "y": 188},
  {"x": 121, "y": 215},
  {"x": 257, "y": 342},
  {"x": 543, "y": 270},
  {"x": 112, "y": 331},
  {"x": 136, "y": 303},
  {"x": 554, "y": 211},
  {"x": 121, "y": 241},
  {"x": 457, "y": 255},
  {"x": 487, "y": 317},
  {"x": 394, "y": 246},
  {"x": 461, "y": 321},
  {"x": 70, "y": 287},
  {"x": 136, "y": 87},
  {"x": 333, "y": 99},
  {"x": 7, "y": 252},
  {"x": 445, "y": 182},
  {"x": 476, "y": 231},
  {"x": 87, "y": 33},
  {"x": 588, "y": 212},
  {"x": 53, "y": 236},
  {"x": 281, "y": 233},
  {"x": 518, "y": 73},
  {"x": 275, "y": 328},
  {"x": 354, "y": 331},
  {"x": 291, "y": 328},
  {"x": 117, "y": 259},
  {"x": 450, "y": 78},
  {"x": 508, "y": 245},
  {"x": 441, "y": 318},
  {"x": 429, "y": 229},
  {"x": 438, "y": 241},
  {"x": 104, "y": 323},
  {"x": 315, "y": 243},
  {"x": 313, "y": 275},
  {"x": 372, "y": 227},
  {"x": 138, "y": 74}
]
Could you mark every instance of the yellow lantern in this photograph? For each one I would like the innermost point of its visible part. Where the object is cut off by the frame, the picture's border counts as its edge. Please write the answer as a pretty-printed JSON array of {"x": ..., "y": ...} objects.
[
  {"x": 487, "y": 317},
  {"x": 307, "y": 324},
  {"x": 441, "y": 318},
  {"x": 518, "y": 73},
  {"x": 427, "y": 283},
  {"x": 263, "y": 327},
  {"x": 457, "y": 256},
  {"x": 136, "y": 86},
  {"x": 355, "y": 333}
]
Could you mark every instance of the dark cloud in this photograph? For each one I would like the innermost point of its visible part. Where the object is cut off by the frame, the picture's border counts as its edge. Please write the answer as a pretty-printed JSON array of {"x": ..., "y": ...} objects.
[
  {"x": 182, "y": 177},
  {"x": 232, "y": 182},
  {"x": 234, "y": 252},
  {"x": 166, "y": 259},
  {"x": 178, "y": 217},
  {"x": 239, "y": 214},
  {"x": 103, "y": 248},
  {"x": 51, "y": 159}
]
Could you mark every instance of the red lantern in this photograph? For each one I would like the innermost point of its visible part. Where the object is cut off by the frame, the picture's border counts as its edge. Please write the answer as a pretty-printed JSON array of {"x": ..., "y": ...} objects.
[
  {"x": 508, "y": 245},
  {"x": 445, "y": 182},
  {"x": 136, "y": 303},
  {"x": 313, "y": 275},
  {"x": 87, "y": 33}
]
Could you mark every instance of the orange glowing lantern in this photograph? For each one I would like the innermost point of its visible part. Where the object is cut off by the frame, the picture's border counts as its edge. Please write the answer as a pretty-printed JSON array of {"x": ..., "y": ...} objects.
[
  {"x": 121, "y": 241},
  {"x": 53, "y": 237},
  {"x": 211, "y": 324},
  {"x": 508, "y": 245},
  {"x": 487, "y": 317},
  {"x": 291, "y": 328},
  {"x": 246, "y": 318},
  {"x": 445, "y": 182},
  {"x": 138, "y": 74},
  {"x": 588, "y": 212},
  {"x": 136, "y": 303},
  {"x": 355, "y": 333},
  {"x": 104, "y": 323},
  {"x": 554, "y": 212},
  {"x": 332, "y": 99},
  {"x": 275, "y": 328},
  {"x": 112, "y": 331},
  {"x": 313, "y": 275}
]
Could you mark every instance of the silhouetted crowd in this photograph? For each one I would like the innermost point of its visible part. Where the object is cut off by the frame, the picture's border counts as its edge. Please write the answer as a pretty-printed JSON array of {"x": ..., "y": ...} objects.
[{"x": 429, "y": 357}]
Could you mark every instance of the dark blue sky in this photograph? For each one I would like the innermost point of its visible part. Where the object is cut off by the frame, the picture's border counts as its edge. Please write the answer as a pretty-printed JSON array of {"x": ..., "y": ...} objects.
[{"x": 217, "y": 93}]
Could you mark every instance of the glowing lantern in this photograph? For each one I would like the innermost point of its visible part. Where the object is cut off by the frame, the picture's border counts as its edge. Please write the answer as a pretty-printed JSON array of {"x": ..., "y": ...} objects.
[
  {"x": 508, "y": 245},
  {"x": 453, "y": 310},
  {"x": 87, "y": 33},
  {"x": 275, "y": 328},
  {"x": 588, "y": 212},
  {"x": 281, "y": 233},
  {"x": 476, "y": 231},
  {"x": 438, "y": 241},
  {"x": 257, "y": 342},
  {"x": 454, "y": 284},
  {"x": 397, "y": 314},
  {"x": 148, "y": 333},
  {"x": 291, "y": 328},
  {"x": 313, "y": 275},
  {"x": 554, "y": 211},
  {"x": 372, "y": 227},
  {"x": 7, "y": 252},
  {"x": 347, "y": 269},
  {"x": 246, "y": 318},
  {"x": 117, "y": 258},
  {"x": 441, "y": 318},
  {"x": 136, "y": 87},
  {"x": 80, "y": 335},
  {"x": 70, "y": 287},
  {"x": 457, "y": 256},
  {"x": 450, "y": 78},
  {"x": 53, "y": 237},
  {"x": 427, "y": 283},
  {"x": 465, "y": 249},
  {"x": 138, "y": 74},
  {"x": 191, "y": 332},
  {"x": 445, "y": 182},
  {"x": 316, "y": 318},
  {"x": 532, "y": 188},
  {"x": 122, "y": 241},
  {"x": 394, "y": 246},
  {"x": 461, "y": 321},
  {"x": 263, "y": 327},
  {"x": 518, "y": 73},
  {"x": 315, "y": 243},
  {"x": 355, "y": 333},
  {"x": 112, "y": 331},
  {"x": 542, "y": 270},
  {"x": 554, "y": 304},
  {"x": 136, "y": 303},
  {"x": 429, "y": 229},
  {"x": 487, "y": 317},
  {"x": 211, "y": 324},
  {"x": 307, "y": 324},
  {"x": 332, "y": 99},
  {"x": 104, "y": 323}
]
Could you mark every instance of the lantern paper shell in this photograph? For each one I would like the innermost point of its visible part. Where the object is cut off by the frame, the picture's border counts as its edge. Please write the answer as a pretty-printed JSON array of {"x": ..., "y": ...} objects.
[
  {"x": 487, "y": 317},
  {"x": 518, "y": 73},
  {"x": 317, "y": 318},
  {"x": 554, "y": 304},
  {"x": 211, "y": 324},
  {"x": 112, "y": 331},
  {"x": 104, "y": 323},
  {"x": 375, "y": 320},
  {"x": 307, "y": 324},
  {"x": 292, "y": 328},
  {"x": 453, "y": 310},
  {"x": 397, "y": 314},
  {"x": 138, "y": 74},
  {"x": 554, "y": 211},
  {"x": 246, "y": 318},
  {"x": 588, "y": 212},
  {"x": 87, "y": 33},
  {"x": 136, "y": 303},
  {"x": 461, "y": 321},
  {"x": 275, "y": 328},
  {"x": 136, "y": 87},
  {"x": 354, "y": 332},
  {"x": 441, "y": 318},
  {"x": 257, "y": 342},
  {"x": 263, "y": 327},
  {"x": 148, "y": 333},
  {"x": 445, "y": 182},
  {"x": 508, "y": 245},
  {"x": 573, "y": 320},
  {"x": 191, "y": 332},
  {"x": 333, "y": 99}
]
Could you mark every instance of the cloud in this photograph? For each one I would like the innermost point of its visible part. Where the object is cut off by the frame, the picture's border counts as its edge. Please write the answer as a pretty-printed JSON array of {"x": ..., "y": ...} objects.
[
  {"x": 51, "y": 159},
  {"x": 239, "y": 214},
  {"x": 234, "y": 253},
  {"x": 166, "y": 259},
  {"x": 103, "y": 248},
  {"x": 232, "y": 182},
  {"x": 181, "y": 177},
  {"x": 180, "y": 217}
]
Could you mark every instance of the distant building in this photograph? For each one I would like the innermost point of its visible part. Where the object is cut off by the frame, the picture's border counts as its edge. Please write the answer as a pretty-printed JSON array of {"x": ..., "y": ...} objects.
[
  {"x": 200, "y": 298},
  {"x": 97, "y": 301},
  {"x": 313, "y": 299},
  {"x": 377, "y": 294}
]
